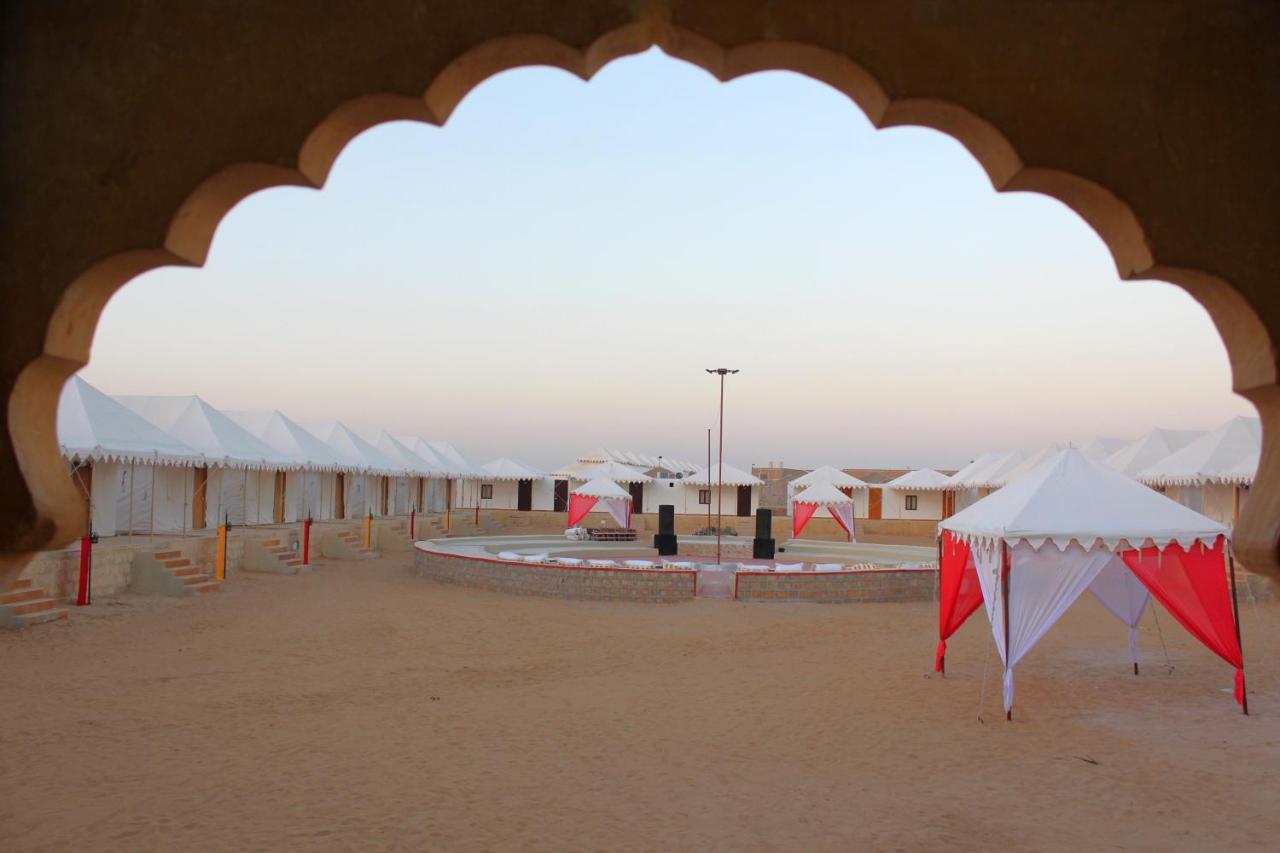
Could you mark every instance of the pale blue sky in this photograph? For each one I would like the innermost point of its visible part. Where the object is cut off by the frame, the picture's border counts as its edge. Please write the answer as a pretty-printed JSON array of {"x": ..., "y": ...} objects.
[{"x": 552, "y": 270}]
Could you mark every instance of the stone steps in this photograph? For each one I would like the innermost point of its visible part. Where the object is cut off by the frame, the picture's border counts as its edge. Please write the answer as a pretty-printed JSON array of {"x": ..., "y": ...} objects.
[
  {"x": 24, "y": 605},
  {"x": 193, "y": 579}
]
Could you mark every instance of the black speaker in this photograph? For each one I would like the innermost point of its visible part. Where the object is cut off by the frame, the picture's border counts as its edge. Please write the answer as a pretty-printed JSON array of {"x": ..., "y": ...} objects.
[
  {"x": 764, "y": 524},
  {"x": 665, "y": 539},
  {"x": 763, "y": 546},
  {"x": 667, "y": 520}
]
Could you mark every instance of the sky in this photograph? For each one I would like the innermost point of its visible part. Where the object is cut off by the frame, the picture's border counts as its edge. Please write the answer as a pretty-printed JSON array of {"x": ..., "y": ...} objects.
[{"x": 553, "y": 270}]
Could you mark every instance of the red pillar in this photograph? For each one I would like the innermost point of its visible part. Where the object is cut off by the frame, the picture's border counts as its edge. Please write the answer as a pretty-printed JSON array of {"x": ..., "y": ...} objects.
[
  {"x": 86, "y": 569},
  {"x": 306, "y": 542}
]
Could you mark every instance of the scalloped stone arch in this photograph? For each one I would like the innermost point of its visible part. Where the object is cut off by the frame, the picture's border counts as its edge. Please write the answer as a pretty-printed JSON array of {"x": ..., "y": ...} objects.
[{"x": 32, "y": 405}]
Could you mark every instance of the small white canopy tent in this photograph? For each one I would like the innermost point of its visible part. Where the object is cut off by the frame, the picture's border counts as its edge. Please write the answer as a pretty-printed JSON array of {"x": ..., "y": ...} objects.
[
  {"x": 822, "y": 495},
  {"x": 823, "y": 474},
  {"x": 921, "y": 480},
  {"x": 133, "y": 461},
  {"x": 602, "y": 493},
  {"x": 732, "y": 477},
  {"x": 509, "y": 469},
  {"x": 1031, "y": 549}
]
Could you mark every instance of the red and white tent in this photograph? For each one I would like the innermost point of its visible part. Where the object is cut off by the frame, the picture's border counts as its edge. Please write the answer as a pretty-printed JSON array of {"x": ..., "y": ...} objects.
[
  {"x": 1031, "y": 549},
  {"x": 805, "y": 504},
  {"x": 606, "y": 494}
]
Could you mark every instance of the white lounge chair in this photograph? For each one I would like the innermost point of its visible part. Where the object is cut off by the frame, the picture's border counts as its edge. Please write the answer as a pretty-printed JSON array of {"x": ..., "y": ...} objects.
[
  {"x": 752, "y": 567},
  {"x": 536, "y": 558},
  {"x": 509, "y": 555},
  {"x": 638, "y": 564},
  {"x": 602, "y": 564},
  {"x": 568, "y": 561},
  {"x": 828, "y": 567},
  {"x": 788, "y": 567},
  {"x": 679, "y": 565}
]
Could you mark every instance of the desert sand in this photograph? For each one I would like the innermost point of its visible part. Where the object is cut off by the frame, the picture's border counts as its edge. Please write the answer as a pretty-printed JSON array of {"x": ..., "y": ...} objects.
[{"x": 364, "y": 708}]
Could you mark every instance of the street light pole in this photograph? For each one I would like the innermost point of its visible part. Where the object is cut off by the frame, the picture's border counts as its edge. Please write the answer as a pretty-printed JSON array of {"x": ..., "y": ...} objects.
[{"x": 722, "y": 372}]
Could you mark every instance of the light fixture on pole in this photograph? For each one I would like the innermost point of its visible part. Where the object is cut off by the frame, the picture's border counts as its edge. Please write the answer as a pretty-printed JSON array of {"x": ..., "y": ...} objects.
[{"x": 722, "y": 372}]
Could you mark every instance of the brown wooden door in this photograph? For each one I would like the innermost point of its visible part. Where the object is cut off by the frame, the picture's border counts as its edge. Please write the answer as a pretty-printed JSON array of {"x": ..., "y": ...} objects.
[
  {"x": 386, "y": 496},
  {"x": 340, "y": 495},
  {"x": 744, "y": 501},
  {"x": 199, "y": 498},
  {"x": 561, "y": 500},
  {"x": 524, "y": 495},
  {"x": 277, "y": 512},
  {"x": 637, "y": 497},
  {"x": 873, "y": 503}
]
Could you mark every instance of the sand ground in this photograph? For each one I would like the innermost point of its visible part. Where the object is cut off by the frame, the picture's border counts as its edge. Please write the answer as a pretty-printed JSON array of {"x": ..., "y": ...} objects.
[{"x": 364, "y": 708}]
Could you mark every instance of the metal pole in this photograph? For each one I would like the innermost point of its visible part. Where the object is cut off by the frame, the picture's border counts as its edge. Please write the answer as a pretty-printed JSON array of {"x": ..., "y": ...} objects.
[
  {"x": 720, "y": 475},
  {"x": 708, "y": 478},
  {"x": 132, "y": 473},
  {"x": 1235, "y": 606}
]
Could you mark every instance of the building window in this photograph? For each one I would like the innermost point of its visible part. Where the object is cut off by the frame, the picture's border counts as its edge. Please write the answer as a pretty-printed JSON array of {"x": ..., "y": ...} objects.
[
  {"x": 912, "y": 501},
  {"x": 486, "y": 492},
  {"x": 704, "y": 496}
]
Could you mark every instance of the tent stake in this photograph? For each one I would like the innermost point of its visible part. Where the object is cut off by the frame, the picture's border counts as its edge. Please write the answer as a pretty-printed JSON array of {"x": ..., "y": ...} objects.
[{"x": 1235, "y": 607}]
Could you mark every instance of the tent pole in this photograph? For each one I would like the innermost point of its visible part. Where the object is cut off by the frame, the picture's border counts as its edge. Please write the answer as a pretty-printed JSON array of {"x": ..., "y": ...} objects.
[
  {"x": 151, "y": 521},
  {"x": 132, "y": 472},
  {"x": 185, "y": 504},
  {"x": 1004, "y": 594},
  {"x": 244, "y": 499},
  {"x": 1235, "y": 607}
]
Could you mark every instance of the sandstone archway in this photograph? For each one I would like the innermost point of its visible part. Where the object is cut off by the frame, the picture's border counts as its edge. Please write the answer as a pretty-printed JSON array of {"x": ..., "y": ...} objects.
[{"x": 127, "y": 156}]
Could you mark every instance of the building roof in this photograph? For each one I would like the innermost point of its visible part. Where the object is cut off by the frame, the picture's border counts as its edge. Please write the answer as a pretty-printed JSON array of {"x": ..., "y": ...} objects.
[
  {"x": 921, "y": 480},
  {"x": 94, "y": 427}
]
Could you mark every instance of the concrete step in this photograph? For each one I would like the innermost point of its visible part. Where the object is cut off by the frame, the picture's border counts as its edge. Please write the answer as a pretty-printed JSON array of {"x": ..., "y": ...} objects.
[
  {"x": 18, "y": 596},
  {"x": 270, "y": 543},
  {"x": 35, "y": 606},
  {"x": 189, "y": 571},
  {"x": 195, "y": 578},
  {"x": 24, "y": 583},
  {"x": 45, "y": 616},
  {"x": 202, "y": 588},
  {"x": 176, "y": 564},
  {"x": 167, "y": 555}
]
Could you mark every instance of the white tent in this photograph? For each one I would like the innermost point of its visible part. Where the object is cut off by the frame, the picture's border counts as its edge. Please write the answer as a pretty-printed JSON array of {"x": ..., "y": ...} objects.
[
  {"x": 732, "y": 477},
  {"x": 141, "y": 478},
  {"x": 960, "y": 479},
  {"x": 605, "y": 494},
  {"x": 1100, "y": 448},
  {"x": 408, "y": 492},
  {"x": 615, "y": 471},
  {"x": 1141, "y": 453},
  {"x": 822, "y": 495},
  {"x": 503, "y": 468},
  {"x": 1211, "y": 457},
  {"x": 235, "y": 488},
  {"x": 827, "y": 474},
  {"x": 1072, "y": 525},
  {"x": 921, "y": 480},
  {"x": 363, "y": 492},
  {"x": 310, "y": 491}
]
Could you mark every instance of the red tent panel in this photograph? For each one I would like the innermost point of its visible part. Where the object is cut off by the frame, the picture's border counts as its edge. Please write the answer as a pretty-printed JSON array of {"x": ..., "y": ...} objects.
[
  {"x": 579, "y": 506},
  {"x": 959, "y": 593},
  {"x": 1192, "y": 585},
  {"x": 801, "y": 515}
]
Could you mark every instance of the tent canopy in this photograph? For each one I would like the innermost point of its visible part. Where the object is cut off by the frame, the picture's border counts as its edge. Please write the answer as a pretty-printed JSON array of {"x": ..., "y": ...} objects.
[
  {"x": 615, "y": 471},
  {"x": 921, "y": 480},
  {"x": 219, "y": 439},
  {"x": 732, "y": 477},
  {"x": 289, "y": 438},
  {"x": 828, "y": 474},
  {"x": 358, "y": 454},
  {"x": 1101, "y": 447},
  {"x": 602, "y": 488},
  {"x": 93, "y": 426},
  {"x": 1141, "y": 453},
  {"x": 960, "y": 479},
  {"x": 1069, "y": 498},
  {"x": 822, "y": 494},
  {"x": 1216, "y": 457},
  {"x": 509, "y": 469},
  {"x": 401, "y": 454}
]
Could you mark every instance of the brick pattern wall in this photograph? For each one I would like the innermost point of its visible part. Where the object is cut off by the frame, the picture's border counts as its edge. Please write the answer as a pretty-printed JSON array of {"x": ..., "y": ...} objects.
[
  {"x": 660, "y": 587},
  {"x": 896, "y": 585}
]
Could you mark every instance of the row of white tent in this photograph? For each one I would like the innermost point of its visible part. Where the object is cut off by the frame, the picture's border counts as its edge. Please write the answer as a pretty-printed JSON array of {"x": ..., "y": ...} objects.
[{"x": 171, "y": 463}]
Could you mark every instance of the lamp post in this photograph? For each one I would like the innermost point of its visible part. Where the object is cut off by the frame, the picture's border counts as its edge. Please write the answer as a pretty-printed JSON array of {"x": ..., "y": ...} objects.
[{"x": 722, "y": 372}]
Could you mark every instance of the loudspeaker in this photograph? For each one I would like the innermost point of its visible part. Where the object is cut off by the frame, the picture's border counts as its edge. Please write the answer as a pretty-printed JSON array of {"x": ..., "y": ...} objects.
[
  {"x": 665, "y": 539},
  {"x": 667, "y": 520},
  {"x": 763, "y": 546},
  {"x": 764, "y": 524}
]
